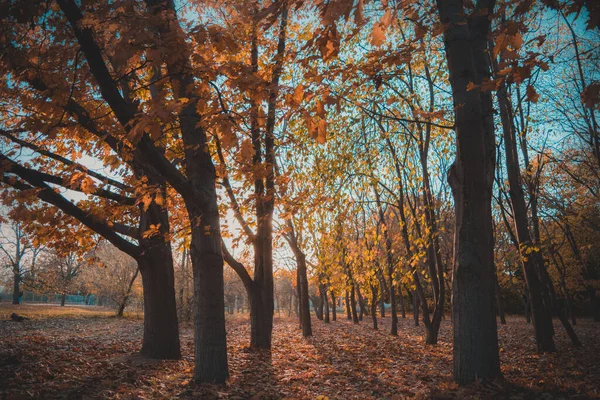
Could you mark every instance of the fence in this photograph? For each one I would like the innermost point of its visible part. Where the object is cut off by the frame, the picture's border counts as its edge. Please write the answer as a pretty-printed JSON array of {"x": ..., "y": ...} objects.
[{"x": 32, "y": 297}]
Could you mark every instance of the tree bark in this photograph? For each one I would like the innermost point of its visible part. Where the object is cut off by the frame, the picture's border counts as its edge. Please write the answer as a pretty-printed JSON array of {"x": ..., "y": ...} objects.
[
  {"x": 333, "y": 307},
  {"x": 16, "y": 295},
  {"x": 325, "y": 302},
  {"x": 389, "y": 263},
  {"x": 531, "y": 257},
  {"x": 348, "y": 310},
  {"x": 361, "y": 302},
  {"x": 416, "y": 308},
  {"x": 374, "y": 306},
  {"x": 353, "y": 305},
  {"x": 499, "y": 302},
  {"x": 476, "y": 353},
  {"x": 401, "y": 298}
]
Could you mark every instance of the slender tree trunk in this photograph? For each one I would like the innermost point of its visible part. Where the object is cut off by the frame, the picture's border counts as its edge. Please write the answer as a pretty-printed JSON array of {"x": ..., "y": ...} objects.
[
  {"x": 63, "y": 299},
  {"x": 383, "y": 291},
  {"x": 333, "y": 307},
  {"x": 499, "y": 302},
  {"x": 316, "y": 301},
  {"x": 127, "y": 294},
  {"x": 348, "y": 310},
  {"x": 416, "y": 308},
  {"x": 476, "y": 353},
  {"x": 402, "y": 305},
  {"x": 390, "y": 264},
  {"x": 303, "y": 295},
  {"x": 374, "y": 306},
  {"x": 353, "y": 305},
  {"x": 361, "y": 302},
  {"x": 325, "y": 302}
]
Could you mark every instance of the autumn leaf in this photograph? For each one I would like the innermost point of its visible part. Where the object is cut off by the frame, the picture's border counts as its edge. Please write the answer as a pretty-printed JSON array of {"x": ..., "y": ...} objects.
[
  {"x": 322, "y": 132},
  {"x": 377, "y": 35},
  {"x": 531, "y": 94}
]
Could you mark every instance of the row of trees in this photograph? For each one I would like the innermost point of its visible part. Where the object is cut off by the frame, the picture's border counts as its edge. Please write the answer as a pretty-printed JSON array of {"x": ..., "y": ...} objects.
[
  {"x": 327, "y": 125},
  {"x": 104, "y": 272}
]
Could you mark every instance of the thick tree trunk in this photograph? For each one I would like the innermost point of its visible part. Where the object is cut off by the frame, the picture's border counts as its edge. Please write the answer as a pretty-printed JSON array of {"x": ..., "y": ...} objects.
[
  {"x": 261, "y": 320},
  {"x": 16, "y": 296},
  {"x": 161, "y": 329},
  {"x": 594, "y": 302},
  {"x": 527, "y": 308},
  {"x": 210, "y": 353},
  {"x": 476, "y": 354}
]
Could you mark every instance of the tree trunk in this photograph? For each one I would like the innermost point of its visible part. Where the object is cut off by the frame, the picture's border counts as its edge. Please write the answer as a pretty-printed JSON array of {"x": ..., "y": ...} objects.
[
  {"x": 353, "y": 305},
  {"x": 63, "y": 299},
  {"x": 499, "y": 302},
  {"x": 16, "y": 296},
  {"x": 476, "y": 354},
  {"x": 594, "y": 304},
  {"x": 361, "y": 302},
  {"x": 348, "y": 311},
  {"x": 416, "y": 307},
  {"x": 127, "y": 294},
  {"x": 316, "y": 300},
  {"x": 531, "y": 257},
  {"x": 527, "y": 307},
  {"x": 305, "y": 321},
  {"x": 389, "y": 263},
  {"x": 210, "y": 353},
  {"x": 325, "y": 302},
  {"x": 121, "y": 309},
  {"x": 374, "y": 306},
  {"x": 333, "y": 307},
  {"x": 261, "y": 320},
  {"x": 383, "y": 291},
  {"x": 161, "y": 329},
  {"x": 402, "y": 305}
]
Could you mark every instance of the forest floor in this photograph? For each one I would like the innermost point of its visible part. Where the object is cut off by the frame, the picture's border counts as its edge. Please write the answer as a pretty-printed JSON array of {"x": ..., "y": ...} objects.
[{"x": 84, "y": 353}]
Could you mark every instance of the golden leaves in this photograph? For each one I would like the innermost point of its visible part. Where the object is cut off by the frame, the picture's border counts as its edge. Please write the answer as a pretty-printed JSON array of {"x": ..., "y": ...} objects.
[{"x": 153, "y": 230}]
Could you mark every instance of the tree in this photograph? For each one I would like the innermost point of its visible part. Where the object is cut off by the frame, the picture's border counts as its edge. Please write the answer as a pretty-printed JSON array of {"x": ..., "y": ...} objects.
[
  {"x": 471, "y": 178},
  {"x": 18, "y": 250}
]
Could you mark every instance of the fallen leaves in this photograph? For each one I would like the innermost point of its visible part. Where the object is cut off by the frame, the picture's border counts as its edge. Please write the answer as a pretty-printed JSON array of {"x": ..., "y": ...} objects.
[{"x": 75, "y": 357}]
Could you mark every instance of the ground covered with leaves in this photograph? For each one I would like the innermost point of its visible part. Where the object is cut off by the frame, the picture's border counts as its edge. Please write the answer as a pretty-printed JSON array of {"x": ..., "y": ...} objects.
[{"x": 83, "y": 352}]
